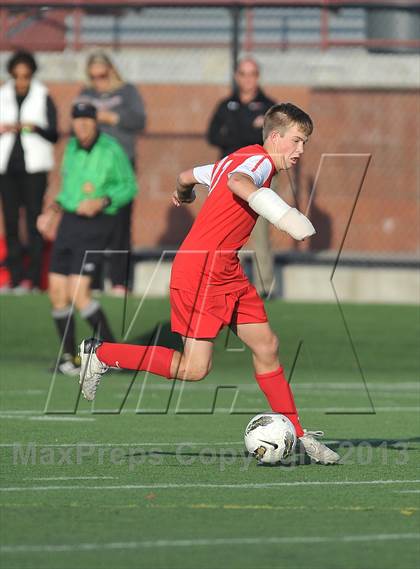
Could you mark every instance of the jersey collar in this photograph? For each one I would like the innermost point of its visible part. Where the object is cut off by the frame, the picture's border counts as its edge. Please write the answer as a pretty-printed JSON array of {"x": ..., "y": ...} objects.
[
  {"x": 91, "y": 145},
  {"x": 264, "y": 151}
]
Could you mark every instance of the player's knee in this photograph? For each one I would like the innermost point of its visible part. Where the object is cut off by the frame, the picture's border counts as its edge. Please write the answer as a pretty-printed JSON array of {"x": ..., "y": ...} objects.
[
  {"x": 197, "y": 372},
  {"x": 274, "y": 345},
  {"x": 81, "y": 298},
  {"x": 81, "y": 301},
  {"x": 268, "y": 347},
  {"x": 196, "y": 375},
  {"x": 57, "y": 296}
]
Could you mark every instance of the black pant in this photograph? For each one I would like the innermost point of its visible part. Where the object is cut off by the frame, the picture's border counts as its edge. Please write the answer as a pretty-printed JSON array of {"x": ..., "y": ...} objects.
[
  {"x": 27, "y": 191},
  {"x": 121, "y": 241}
]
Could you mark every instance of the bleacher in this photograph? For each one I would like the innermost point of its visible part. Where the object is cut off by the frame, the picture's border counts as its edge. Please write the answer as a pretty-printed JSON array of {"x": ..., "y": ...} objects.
[{"x": 212, "y": 26}]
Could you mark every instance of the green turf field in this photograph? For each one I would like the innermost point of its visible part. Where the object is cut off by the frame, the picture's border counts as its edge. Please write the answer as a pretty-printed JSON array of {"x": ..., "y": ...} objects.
[{"x": 170, "y": 485}]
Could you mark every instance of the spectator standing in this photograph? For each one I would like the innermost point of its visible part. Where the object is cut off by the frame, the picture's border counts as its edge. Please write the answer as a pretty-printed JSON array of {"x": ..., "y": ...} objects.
[
  {"x": 97, "y": 181},
  {"x": 237, "y": 122},
  {"x": 28, "y": 131},
  {"x": 121, "y": 114}
]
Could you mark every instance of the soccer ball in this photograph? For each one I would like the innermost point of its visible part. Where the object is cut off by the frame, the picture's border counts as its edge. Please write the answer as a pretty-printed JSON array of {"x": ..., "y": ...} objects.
[{"x": 270, "y": 437}]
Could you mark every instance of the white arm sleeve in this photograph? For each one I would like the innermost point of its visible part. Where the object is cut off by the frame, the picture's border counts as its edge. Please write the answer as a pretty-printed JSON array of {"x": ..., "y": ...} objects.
[
  {"x": 258, "y": 168},
  {"x": 203, "y": 174},
  {"x": 269, "y": 205}
]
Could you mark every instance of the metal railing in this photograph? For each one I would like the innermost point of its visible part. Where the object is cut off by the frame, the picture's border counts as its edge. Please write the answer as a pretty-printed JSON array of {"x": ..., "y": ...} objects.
[{"x": 244, "y": 24}]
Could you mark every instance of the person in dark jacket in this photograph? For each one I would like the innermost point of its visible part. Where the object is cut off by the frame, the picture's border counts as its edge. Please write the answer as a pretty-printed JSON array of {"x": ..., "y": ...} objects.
[
  {"x": 28, "y": 131},
  {"x": 237, "y": 122},
  {"x": 121, "y": 114}
]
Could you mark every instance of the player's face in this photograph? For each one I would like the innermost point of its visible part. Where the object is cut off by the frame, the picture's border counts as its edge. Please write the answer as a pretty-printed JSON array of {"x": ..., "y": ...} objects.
[
  {"x": 22, "y": 75},
  {"x": 100, "y": 76},
  {"x": 246, "y": 77},
  {"x": 288, "y": 148},
  {"x": 85, "y": 130}
]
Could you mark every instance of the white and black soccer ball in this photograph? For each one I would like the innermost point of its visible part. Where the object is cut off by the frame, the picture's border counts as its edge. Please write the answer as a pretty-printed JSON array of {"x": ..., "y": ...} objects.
[{"x": 270, "y": 437}]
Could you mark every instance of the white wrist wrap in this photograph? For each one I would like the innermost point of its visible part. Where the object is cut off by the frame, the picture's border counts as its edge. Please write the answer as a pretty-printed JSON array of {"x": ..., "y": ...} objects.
[
  {"x": 269, "y": 205},
  {"x": 296, "y": 225}
]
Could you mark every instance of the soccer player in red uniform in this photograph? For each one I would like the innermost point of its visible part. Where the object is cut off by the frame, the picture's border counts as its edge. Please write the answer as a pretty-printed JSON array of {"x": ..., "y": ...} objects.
[{"x": 208, "y": 288}]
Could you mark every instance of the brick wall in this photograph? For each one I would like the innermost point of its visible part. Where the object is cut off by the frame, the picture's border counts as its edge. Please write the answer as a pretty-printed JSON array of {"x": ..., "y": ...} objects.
[{"x": 357, "y": 122}]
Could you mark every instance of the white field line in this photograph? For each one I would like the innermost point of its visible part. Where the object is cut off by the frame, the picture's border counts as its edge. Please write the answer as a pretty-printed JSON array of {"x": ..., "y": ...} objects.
[
  {"x": 141, "y": 444},
  {"x": 346, "y": 386},
  {"x": 391, "y": 409},
  {"x": 22, "y": 391},
  {"x": 350, "y": 385},
  {"x": 33, "y": 416},
  {"x": 228, "y": 410},
  {"x": 73, "y": 478},
  {"x": 59, "y": 418},
  {"x": 161, "y": 543},
  {"x": 377, "y": 387},
  {"x": 206, "y": 485},
  {"x": 26, "y": 417},
  {"x": 407, "y": 491},
  {"x": 27, "y": 412},
  {"x": 133, "y": 444}
]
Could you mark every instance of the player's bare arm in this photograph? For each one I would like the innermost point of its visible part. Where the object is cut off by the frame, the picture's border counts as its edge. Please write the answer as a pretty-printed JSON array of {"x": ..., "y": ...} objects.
[
  {"x": 184, "y": 192},
  {"x": 242, "y": 185}
]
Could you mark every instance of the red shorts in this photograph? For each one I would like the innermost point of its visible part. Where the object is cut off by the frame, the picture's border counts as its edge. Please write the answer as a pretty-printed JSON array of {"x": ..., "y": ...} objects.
[{"x": 200, "y": 316}]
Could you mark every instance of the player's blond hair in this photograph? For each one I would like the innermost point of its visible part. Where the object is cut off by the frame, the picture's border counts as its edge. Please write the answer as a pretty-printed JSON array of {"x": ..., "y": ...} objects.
[
  {"x": 282, "y": 116},
  {"x": 103, "y": 59}
]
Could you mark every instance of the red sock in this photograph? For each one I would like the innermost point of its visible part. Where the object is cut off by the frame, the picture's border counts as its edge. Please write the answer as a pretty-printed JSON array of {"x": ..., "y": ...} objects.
[
  {"x": 155, "y": 359},
  {"x": 279, "y": 395}
]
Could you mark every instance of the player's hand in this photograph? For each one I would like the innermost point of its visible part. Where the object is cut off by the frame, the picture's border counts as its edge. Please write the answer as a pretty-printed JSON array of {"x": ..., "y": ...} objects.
[
  {"x": 26, "y": 127},
  {"x": 175, "y": 199},
  {"x": 8, "y": 128},
  {"x": 178, "y": 198},
  {"x": 42, "y": 222},
  {"x": 258, "y": 121},
  {"x": 90, "y": 208},
  {"x": 108, "y": 117},
  {"x": 46, "y": 224}
]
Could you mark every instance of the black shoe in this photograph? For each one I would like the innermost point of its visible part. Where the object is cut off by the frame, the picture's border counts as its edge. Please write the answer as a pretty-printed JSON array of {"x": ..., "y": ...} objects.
[{"x": 88, "y": 346}]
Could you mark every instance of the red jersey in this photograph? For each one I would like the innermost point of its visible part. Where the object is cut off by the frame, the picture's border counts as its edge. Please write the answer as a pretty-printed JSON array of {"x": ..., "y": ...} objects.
[{"x": 207, "y": 260}]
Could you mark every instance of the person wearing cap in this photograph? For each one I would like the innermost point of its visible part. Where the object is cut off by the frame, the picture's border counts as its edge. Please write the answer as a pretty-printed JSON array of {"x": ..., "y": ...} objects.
[{"x": 97, "y": 181}]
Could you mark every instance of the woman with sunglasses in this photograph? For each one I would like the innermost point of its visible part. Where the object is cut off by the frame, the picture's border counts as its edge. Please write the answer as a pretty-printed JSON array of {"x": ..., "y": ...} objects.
[
  {"x": 28, "y": 131},
  {"x": 121, "y": 114}
]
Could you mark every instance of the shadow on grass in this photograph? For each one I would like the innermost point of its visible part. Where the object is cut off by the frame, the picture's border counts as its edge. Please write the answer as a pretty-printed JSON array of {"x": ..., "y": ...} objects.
[
  {"x": 230, "y": 457},
  {"x": 299, "y": 458},
  {"x": 376, "y": 443}
]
